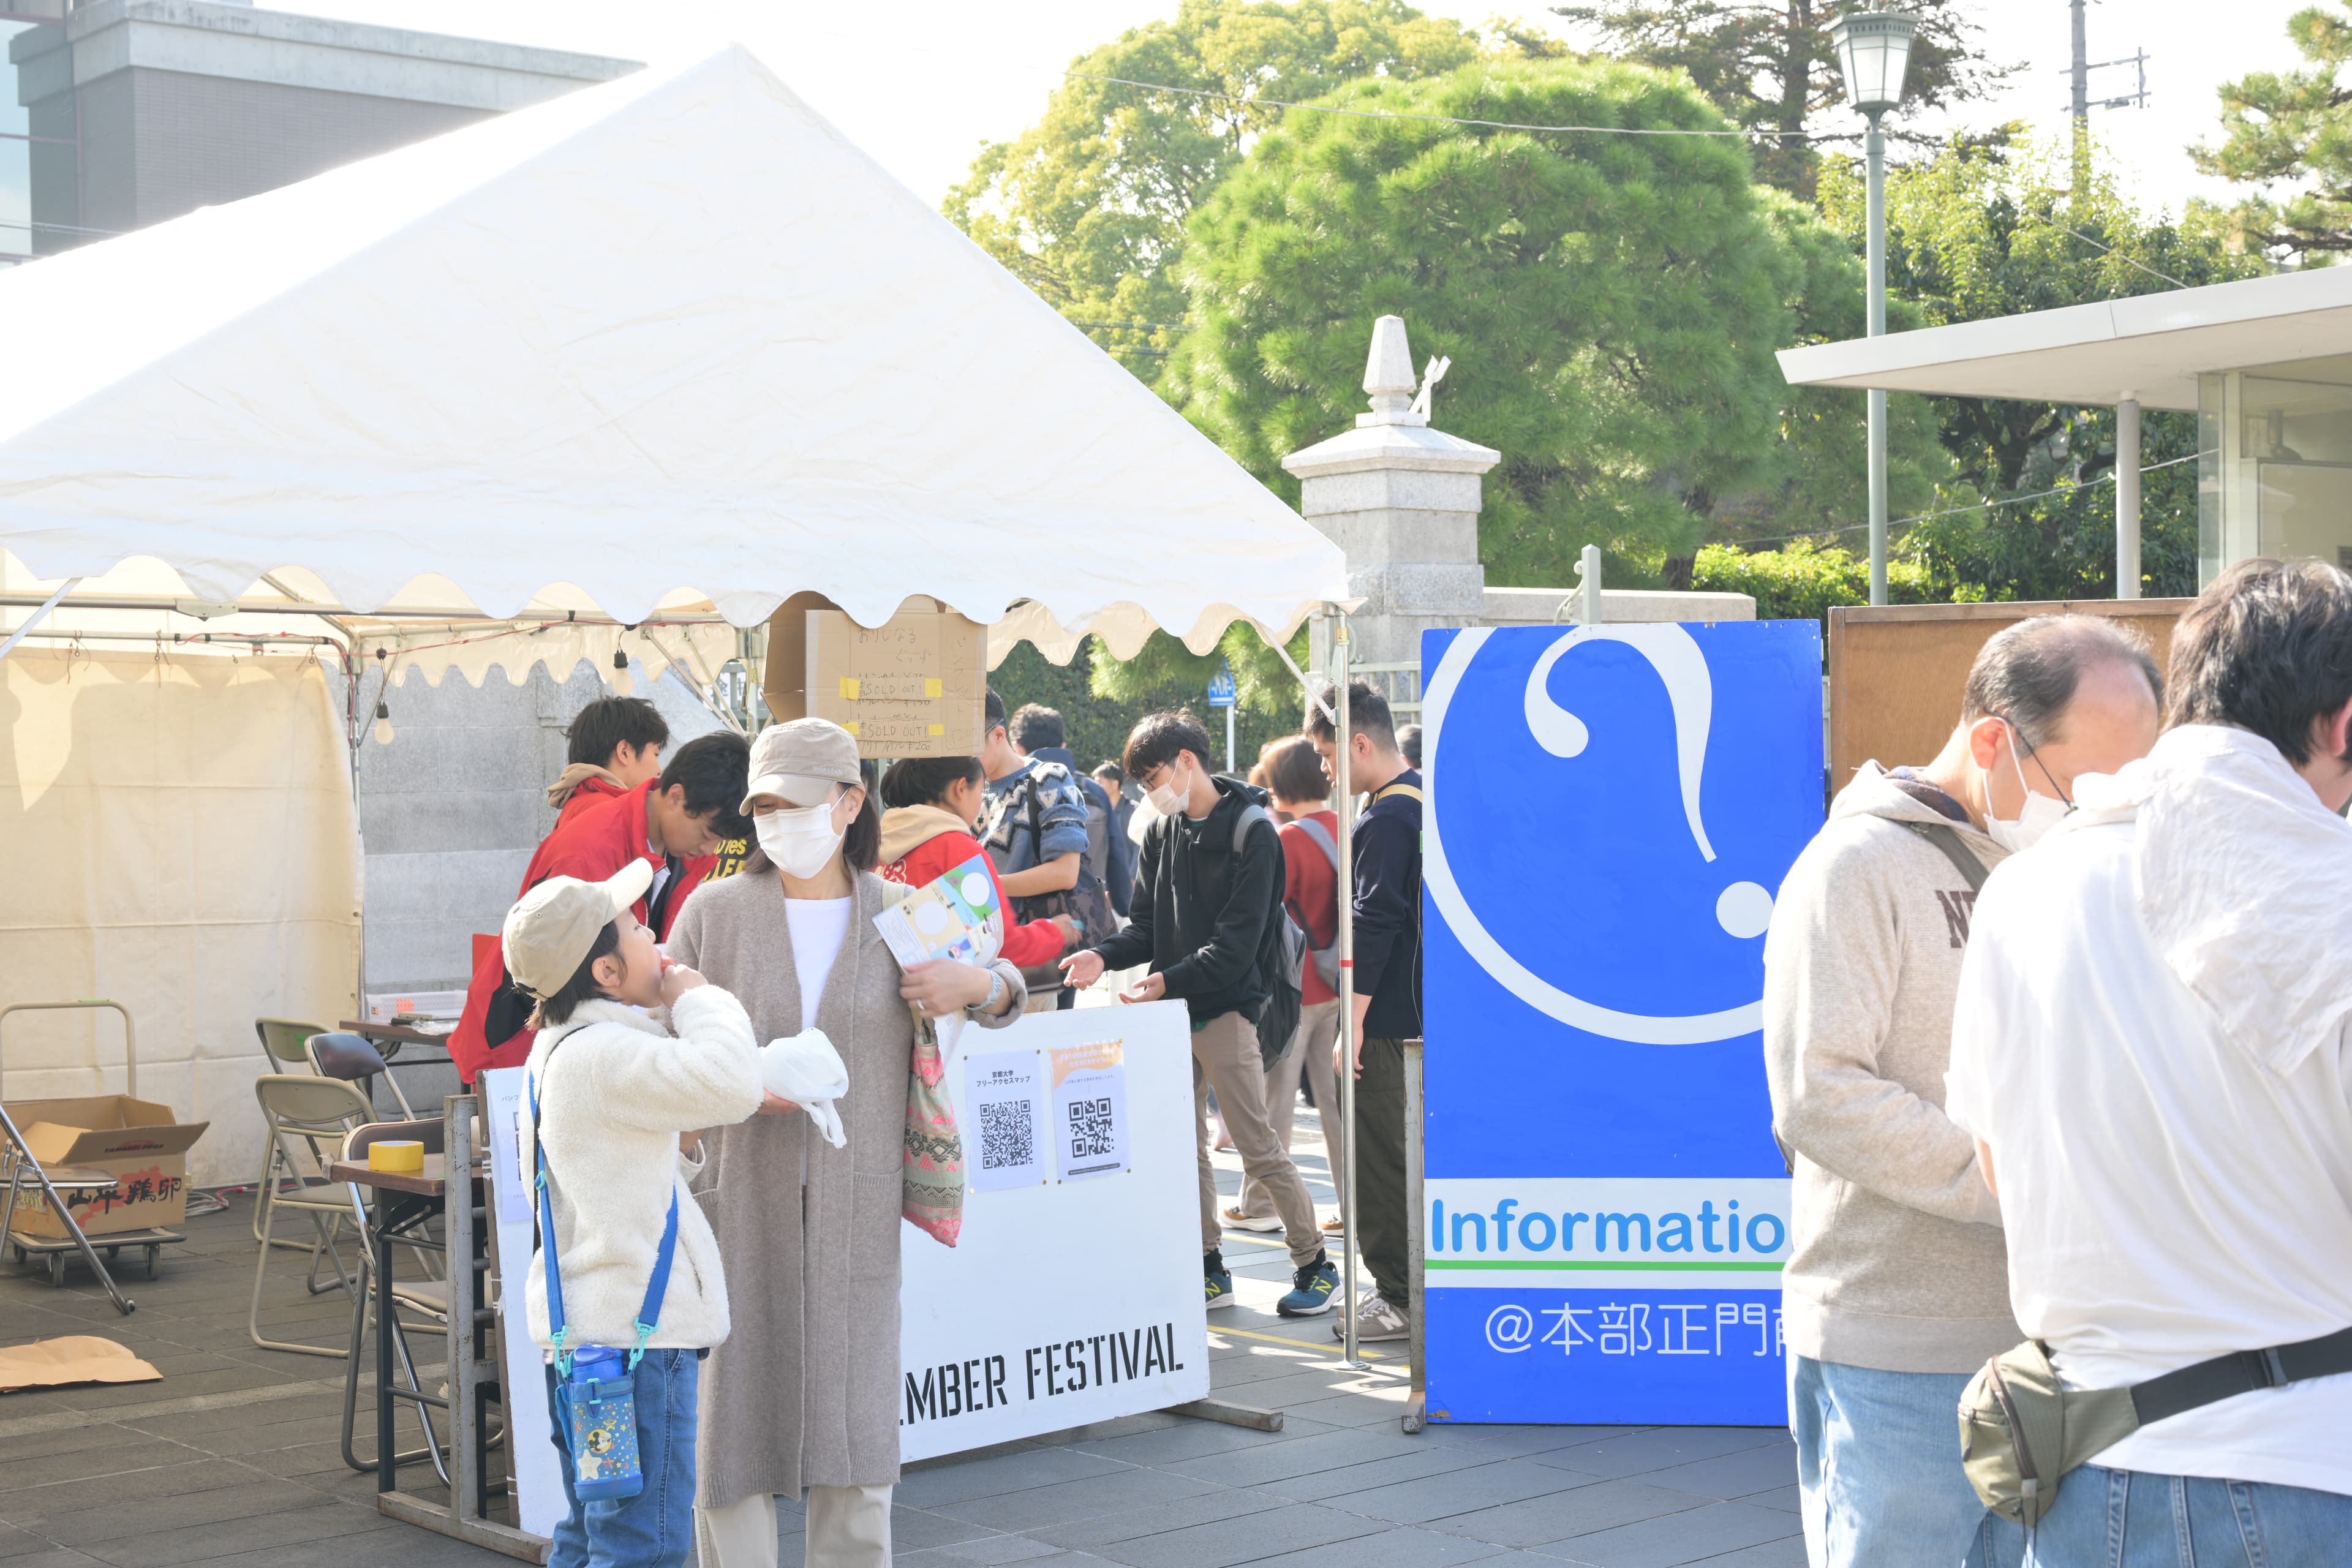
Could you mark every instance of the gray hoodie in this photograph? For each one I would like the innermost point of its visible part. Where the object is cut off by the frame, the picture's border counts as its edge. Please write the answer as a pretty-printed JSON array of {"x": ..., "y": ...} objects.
[{"x": 1896, "y": 1259}]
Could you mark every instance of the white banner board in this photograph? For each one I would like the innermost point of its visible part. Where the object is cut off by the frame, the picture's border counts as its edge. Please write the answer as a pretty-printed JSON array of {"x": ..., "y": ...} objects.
[
  {"x": 1068, "y": 1297},
  {"x": 538, "y": 1477}
]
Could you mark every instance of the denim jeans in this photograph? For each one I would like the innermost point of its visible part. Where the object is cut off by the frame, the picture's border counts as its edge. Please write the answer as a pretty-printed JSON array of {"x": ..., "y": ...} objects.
[
  {"x": 2130, "y": 1519},
  {"x": 654, "y": 1529},
  {"x": 1878, "y": 1471}
]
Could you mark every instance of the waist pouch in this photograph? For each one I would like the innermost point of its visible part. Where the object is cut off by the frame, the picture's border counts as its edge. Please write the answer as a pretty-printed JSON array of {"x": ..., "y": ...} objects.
[{"x": 2022, "y": 1429}]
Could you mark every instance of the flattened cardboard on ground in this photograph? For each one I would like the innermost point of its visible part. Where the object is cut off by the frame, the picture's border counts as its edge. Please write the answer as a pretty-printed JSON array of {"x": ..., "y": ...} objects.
[
  {"x": 913, "y": 687},
  {"x": 137, "y": 1143},
  {"x": 70, "y": 1359}
]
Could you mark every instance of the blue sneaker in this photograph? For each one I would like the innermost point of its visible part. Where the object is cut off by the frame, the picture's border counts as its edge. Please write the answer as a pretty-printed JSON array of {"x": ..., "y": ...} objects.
[
  {"x": 1310, "y": 1290},
  {"x": 1219, "y": 1284}
]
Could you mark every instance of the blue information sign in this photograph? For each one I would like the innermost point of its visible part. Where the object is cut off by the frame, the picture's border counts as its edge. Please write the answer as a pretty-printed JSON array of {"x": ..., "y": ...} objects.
[
  {"x": 1220, "y": 688},
  {"x": 1611, "y": 811}
]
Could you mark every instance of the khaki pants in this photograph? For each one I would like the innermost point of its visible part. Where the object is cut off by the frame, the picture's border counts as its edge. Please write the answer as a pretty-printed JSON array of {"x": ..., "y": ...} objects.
[
  {"x": 847, "y": 1527},
  {"x": 1224, "y": 1055},
  {"x": 1310, "y": 1052}
]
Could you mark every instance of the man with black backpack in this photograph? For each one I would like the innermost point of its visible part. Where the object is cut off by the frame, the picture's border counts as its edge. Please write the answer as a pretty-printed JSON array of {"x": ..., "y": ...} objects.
[{"x": 1208, "y": 917}]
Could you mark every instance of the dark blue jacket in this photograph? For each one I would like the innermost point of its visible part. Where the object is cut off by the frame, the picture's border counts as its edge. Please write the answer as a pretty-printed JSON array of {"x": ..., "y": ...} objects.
[{"x": 1388, "y": 909}]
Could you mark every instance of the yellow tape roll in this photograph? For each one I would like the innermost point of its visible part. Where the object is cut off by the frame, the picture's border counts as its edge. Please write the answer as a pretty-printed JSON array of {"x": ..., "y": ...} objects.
[{"x": 402, "y": 1157}]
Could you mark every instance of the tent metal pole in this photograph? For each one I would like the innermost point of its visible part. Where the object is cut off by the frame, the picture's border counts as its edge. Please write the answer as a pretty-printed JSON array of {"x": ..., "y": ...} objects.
[
  {"x": 1344, "y": 783},
  {"x": 36, "y": 616}
]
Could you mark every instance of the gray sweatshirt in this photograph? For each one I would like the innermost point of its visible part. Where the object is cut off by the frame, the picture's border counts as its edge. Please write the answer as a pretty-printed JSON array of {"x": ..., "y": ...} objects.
[{"x": 1896, "y": 1259}]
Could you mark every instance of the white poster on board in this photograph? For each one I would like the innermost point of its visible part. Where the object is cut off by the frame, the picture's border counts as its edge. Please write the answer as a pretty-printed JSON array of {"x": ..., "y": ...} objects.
[
  {"x": 1089, "y": 1109},
  {"x": 539, "y": 1478},
  {"x": 1005, "y": 1146},
  {"x": 1065, "y": 1300}
]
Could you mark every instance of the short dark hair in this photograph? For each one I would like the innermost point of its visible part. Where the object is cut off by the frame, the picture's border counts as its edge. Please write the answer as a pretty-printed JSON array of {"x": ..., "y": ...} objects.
[
  {"x": 924, "y": 780},
  {"x": 1035, "y": 725},
  {"x": 1157, "y": 737},
  {"x": 713, "y": 770},
  {"x": 557, "y": 1009},
  {"x": 1368, "y": 714},
  {"x": 610, "y": 722},
  {"x": 992, "y": 708},
  {"x": 2267, "y": 648},
  {"x": 1111, "y": 772},
  {"x": 1293, "y": 771},
  {"x": 1408, "y": 743},
  {"x": 2027, "y": 671}
]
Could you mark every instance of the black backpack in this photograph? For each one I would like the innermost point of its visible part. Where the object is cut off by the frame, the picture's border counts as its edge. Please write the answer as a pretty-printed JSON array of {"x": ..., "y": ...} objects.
[
  {"x": 1281, "y": 958},
  {"x": 1087, "y": 904}
]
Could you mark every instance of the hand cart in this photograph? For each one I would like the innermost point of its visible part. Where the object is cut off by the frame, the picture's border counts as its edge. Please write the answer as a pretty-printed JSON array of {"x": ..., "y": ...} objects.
[{"x": 24, "y": 1170}]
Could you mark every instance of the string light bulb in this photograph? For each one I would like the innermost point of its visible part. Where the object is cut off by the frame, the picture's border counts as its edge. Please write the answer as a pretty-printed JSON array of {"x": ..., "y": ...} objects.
[
  {"x": 623, "y": 683},
  {"x": 383, "y": 724}
]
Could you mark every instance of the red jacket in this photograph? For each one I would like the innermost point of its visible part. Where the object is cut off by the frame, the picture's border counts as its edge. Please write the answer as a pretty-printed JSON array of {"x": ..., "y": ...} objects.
[
  {"x": 592, "y": 844},
  {"x": 1311, "y": 891},
  {"x": 588, "y": 792},
  {"x": 1030, "y": 946}
]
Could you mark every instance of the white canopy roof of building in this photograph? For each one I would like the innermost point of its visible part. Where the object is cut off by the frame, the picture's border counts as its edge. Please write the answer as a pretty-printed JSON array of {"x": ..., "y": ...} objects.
[
  {"x": 668, "y": 341},
  {"x": 2152, "y": 346}
]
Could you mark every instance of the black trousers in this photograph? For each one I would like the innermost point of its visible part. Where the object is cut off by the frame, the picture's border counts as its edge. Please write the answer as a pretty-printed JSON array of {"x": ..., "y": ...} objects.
[{"x": 1382, "y": 1218}]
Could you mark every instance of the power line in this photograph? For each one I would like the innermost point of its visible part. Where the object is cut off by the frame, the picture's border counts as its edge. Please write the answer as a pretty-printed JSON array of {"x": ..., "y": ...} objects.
[
  {"x": 1435, "y": 119},
  {"x": 2119, "y": 256},
  {"x": 2107, "y": 479}
]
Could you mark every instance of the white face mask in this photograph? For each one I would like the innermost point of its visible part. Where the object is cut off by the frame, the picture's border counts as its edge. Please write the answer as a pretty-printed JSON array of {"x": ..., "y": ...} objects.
[
  {"x": 802, "y": 842},
  {"x": 1167, "y": 799},
  {"x": 2040, "y": 814}
]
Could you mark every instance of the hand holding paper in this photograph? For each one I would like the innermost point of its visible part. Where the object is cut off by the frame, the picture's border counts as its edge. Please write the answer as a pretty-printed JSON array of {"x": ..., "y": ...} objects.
[{"x": 805, "y": 1069}]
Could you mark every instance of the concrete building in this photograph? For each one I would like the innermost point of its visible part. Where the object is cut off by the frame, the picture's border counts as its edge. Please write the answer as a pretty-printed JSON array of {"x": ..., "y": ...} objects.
[
  {"x": 120, "y": 114},
  {"x": 1401, "y": 498}
]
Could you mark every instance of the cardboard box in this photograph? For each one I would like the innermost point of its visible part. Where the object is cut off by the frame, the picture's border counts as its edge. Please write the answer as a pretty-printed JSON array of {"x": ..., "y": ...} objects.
[
  {"x": 136, "y": 1141},
  {"x": 913, "y": 687}
]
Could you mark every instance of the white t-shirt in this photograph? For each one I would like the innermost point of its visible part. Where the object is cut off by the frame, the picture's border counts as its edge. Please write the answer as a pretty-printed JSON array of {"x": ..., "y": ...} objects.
[
  {"x": 818, "y": 927},
  {"x": 2168, "y": 1198}
]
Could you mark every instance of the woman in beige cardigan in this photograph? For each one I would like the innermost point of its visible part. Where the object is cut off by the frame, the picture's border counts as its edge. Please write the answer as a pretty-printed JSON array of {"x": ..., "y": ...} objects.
[{"x": 804, "y": 1396}]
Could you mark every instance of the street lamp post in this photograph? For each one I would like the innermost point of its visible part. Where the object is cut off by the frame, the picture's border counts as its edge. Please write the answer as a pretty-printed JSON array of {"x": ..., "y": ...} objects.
[{"x": 1873, "y": 50}]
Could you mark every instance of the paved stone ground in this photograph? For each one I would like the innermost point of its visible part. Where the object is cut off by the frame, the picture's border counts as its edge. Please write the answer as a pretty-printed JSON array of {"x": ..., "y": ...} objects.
[{"x": 232, "y": 1461}]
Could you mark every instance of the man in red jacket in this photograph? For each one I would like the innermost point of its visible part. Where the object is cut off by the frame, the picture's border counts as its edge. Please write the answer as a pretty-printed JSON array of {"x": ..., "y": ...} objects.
[{"x": 675, "y": 823}]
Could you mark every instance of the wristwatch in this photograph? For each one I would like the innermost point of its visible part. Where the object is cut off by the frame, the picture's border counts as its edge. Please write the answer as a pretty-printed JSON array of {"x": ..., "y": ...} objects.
[{"x": 995, "y": 989}]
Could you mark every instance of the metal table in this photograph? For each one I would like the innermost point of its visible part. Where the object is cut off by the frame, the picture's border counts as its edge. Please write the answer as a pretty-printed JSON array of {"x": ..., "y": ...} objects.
[{"x": 406, "y": 1201}]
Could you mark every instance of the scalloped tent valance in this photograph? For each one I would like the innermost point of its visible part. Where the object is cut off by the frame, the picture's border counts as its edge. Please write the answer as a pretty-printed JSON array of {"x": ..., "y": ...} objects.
[{"x": 668, "y": 347}]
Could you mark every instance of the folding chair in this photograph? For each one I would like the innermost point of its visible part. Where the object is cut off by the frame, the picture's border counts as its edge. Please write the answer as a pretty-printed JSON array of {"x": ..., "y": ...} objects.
[
  {"x": 354, "y": 1059},
  {"x": 427, "y": 1298},
  {"x": 304, "y": 1112},
  {"x": 281, "y": 1042}
]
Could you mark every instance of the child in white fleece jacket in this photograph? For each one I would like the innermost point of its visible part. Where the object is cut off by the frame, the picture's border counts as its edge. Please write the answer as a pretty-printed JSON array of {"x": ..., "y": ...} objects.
[{"x": 616, "y": 1091}]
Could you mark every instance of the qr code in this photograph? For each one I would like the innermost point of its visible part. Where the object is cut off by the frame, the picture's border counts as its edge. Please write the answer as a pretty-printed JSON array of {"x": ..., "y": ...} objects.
[
  {"x": 1005, "y": 1140},
  {"x": 1090, "y": 1134}
]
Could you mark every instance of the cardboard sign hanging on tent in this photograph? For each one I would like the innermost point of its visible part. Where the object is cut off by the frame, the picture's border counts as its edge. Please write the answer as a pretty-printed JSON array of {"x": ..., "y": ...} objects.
[{"x": 912, "y": 686}]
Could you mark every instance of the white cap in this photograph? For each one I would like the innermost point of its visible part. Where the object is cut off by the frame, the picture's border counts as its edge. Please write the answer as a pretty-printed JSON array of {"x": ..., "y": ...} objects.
[{"x": 549, "y": 932}]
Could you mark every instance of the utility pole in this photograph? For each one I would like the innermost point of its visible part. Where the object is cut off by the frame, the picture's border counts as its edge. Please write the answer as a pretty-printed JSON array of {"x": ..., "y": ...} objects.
[{"x": 2081, "y": 106}]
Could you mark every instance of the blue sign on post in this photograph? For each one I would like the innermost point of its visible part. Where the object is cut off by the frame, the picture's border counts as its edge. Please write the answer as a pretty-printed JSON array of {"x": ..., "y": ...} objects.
[
  {"x": 1220, "y": 688},
  {"x": 1611, "y": 811}
]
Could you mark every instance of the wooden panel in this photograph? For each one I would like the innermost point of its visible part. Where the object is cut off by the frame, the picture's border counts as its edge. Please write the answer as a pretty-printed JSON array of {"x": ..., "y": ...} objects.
[{"x": 1898, "y": 672}]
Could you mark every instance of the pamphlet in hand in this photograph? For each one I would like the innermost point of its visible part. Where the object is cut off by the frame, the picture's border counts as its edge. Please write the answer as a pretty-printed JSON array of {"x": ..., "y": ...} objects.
[{"x": 955, "y": 915}]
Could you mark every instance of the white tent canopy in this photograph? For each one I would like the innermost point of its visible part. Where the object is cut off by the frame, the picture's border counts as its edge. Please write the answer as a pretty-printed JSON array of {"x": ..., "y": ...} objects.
[{"x": 666, "y": 348}]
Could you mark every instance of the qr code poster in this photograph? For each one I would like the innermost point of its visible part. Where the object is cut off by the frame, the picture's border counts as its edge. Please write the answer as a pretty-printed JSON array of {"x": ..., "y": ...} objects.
[
  {"x": 1004, "y": 1144},
  {"x": 1090, "y": 1109}
]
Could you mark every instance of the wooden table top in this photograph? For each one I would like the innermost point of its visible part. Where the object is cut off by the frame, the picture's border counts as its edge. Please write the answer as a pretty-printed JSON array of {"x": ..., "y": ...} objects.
[{"x": 429, "y": 1183}]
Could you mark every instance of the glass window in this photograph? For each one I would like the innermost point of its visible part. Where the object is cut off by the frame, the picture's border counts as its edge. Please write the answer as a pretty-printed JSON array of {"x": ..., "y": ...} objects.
[{"x": 2277, "y": 475}]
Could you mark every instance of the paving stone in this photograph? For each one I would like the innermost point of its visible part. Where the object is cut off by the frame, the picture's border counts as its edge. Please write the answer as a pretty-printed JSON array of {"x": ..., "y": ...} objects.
[
  {"x": 1787, "y": 1499},
  {"x": 1353, "y": 1410},
  {"x": 1391, "y": 1549},
  {"x": 1008, "y": 1472},
  {"x": 1037, "y": 1506},
  {"x": 327, "y": 1521},
  {"x": 916, "y": 1530},
  {"x": 1728, "y": 1476},
  {"x": 185, "y": 1475},
  {"x": 993, "y": 1548},
  {"x": 1226, "y": 1542},
  {"x": 1377, "y": 1473},
  {"x": 1190, "y": 1440},
  {"x": 1660, "y": 1448},
  {"x": 1699, "y": 1534},
  {"x": 1521, "y": 1442},
  {"x": 1298, "y": 1457},
  {"x": 1562, "y": 1515},
  {"x": 16, "y": 1544},
  {"x": 1789, "y": 1554},
  {"x": 128, "y": 1452},
  {"x": 1458, "y": 1492},
  {"x": 1100, "y": 1534}
]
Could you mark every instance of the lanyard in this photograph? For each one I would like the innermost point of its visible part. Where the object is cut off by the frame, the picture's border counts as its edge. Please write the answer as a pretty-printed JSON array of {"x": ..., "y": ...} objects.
[{"x": 649, "y": 1314}]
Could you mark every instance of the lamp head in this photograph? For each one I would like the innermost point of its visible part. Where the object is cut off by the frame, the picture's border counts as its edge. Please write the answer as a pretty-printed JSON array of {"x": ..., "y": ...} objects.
[{"x": 1873, "y": 50}]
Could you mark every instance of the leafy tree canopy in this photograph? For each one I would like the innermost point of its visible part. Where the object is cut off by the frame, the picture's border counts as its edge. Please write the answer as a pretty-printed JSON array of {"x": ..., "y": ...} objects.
[
  {"x": 1768, "y": 66},
  {"x": 2293, "y": 129},
  {"x": 1611, "y": 304},
  {"x": 1087, "y": 206}
]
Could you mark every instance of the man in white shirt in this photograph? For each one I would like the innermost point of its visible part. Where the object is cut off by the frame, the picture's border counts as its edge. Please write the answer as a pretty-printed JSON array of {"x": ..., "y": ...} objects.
[{"x": 2150, "y": 1049}]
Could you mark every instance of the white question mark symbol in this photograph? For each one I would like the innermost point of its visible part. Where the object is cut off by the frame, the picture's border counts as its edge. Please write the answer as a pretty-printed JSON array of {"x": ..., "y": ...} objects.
[{"x": 1743, "y": 908}]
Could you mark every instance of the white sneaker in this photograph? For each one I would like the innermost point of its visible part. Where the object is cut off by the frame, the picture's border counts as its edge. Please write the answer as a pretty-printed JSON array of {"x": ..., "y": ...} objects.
[
  {"x": 1375, "y": 1319},
  {"x": 1237, "y": 1220}
]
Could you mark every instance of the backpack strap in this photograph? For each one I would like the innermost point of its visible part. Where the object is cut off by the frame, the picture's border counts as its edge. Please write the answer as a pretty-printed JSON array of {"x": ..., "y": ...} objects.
[
  {"x": 1401, "y": 792},
  {"x": 649, "y": 1314},
  {"x": 1963, "y": 859},
  {"x": 1321, "y": 838}
]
